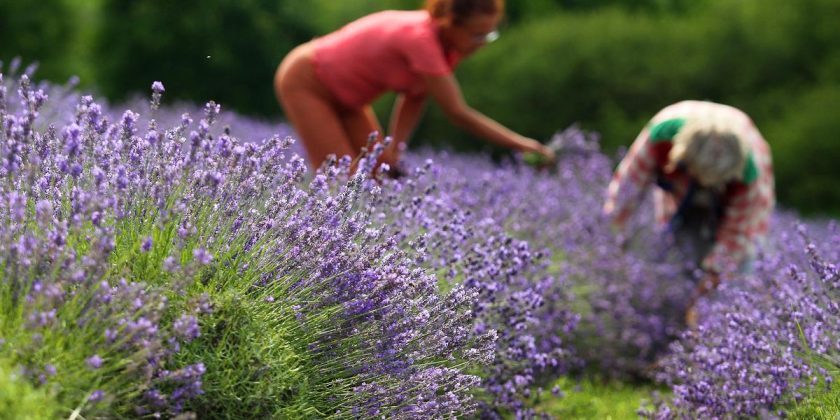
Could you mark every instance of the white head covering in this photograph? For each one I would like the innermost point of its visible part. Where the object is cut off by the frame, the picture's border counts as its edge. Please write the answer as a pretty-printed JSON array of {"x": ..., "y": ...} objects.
[{"x": 712, "y": 149}]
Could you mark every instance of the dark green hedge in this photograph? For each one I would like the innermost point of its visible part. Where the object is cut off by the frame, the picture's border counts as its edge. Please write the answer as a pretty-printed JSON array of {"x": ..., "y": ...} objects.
[
  {"x": 226, "y": 50},
  {"x": 37, "y": 31},
  {"x": 806, "y": 146},
  {"x": 611, "y": 70}
]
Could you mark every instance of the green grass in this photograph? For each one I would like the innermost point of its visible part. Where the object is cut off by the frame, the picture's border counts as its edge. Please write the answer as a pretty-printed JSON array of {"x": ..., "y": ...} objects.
[
  {"x": 21, "y": 400},
  {"x": 823, "y": 404},
  {"x": 593, "y": 398}
]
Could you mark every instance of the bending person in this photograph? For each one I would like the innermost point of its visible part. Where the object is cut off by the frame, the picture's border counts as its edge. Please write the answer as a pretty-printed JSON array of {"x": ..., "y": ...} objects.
[
  {"x": 326, "y": 86},
  {"x": 714, "y": 179}
]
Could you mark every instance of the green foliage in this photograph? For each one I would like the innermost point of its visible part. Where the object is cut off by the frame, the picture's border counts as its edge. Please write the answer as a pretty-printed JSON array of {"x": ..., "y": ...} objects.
[
  {"x": 257, "y": 363},
  {"x": 805, "y": 142},
  {"x": 227, "y": 51},
  {"x": 531, "y": 9},
  {"x": 822, "y": 405},
  {"x": 593, "y": 398},
  {"x": 822, "y": 401},
  {"x": 611, "y": 69},
  {"x": 329, "y": 15},
  {"x": 41, "y": 33},
  {"x": 19, "y": 399},
  {"x": 574, "y": 70}
]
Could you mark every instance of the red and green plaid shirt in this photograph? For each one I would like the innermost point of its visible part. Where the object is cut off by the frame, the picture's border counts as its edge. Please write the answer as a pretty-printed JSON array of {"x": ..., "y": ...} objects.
[{"x": 747, "y": 204}]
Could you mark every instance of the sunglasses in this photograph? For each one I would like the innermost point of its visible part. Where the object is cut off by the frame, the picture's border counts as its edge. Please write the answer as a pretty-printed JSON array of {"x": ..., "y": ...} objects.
[{"x": 486, "y": 38}]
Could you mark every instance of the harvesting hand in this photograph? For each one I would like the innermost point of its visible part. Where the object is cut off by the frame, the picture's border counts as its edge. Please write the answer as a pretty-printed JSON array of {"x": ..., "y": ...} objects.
[
  {"x": 538, "y": 154},
  {"x": 546, "y": 152},
  {"x": 708, "y": 283},
  {"x": 616, "y": 218},
  {"x": 395, "y": 172},
  {"x": 691, "y": 317}
]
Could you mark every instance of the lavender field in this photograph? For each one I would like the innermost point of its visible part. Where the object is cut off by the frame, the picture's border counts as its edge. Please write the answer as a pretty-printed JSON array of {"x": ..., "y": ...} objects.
[{"x": 183, "y": 261}]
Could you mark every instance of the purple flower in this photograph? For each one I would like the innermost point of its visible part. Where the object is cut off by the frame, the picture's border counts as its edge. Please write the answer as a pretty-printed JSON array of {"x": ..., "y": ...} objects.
[
  {"x": 170, "y": 264},
  {"x": 146, "y": 246},
  {"x": 186, "y": 328},
  {"x": 96, "y": 395},
  {"x": 72, "y": 139},
  {"x": 94, "y": 362},
  {"x": 202, "y": 256}
]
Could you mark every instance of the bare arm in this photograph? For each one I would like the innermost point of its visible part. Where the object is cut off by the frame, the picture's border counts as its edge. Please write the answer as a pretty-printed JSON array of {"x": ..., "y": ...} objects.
[
  {"x": 404, "y": 117},
  {"x": 634, "y": 174},
  {"x": 447, "y": 93}
]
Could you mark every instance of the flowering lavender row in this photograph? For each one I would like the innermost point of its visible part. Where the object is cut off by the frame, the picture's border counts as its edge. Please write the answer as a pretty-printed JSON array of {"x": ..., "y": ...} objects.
[
  {"x": 78, "y": 318},
  {"x": 129, "y": 247},
  {"x": 500, "y": 260},
  {"x": 519, "y": 294},
  {"x": 767, "y": 339},
  {"x": 154, "y": 263},
  {"x": 628, "y": 288},
  {"x": 764, "y": 339}
]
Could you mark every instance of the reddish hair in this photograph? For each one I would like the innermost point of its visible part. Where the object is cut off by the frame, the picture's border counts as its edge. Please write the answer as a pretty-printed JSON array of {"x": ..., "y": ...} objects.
[{"x": 461, "y": 10}]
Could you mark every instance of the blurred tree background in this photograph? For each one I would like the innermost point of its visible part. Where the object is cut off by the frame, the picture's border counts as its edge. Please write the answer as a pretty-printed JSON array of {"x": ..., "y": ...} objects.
[{"x": 607, "y": 64}]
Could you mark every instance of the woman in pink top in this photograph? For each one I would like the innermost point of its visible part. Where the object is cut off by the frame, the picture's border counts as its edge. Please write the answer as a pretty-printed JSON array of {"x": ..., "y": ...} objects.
[{"x": 326, "y": 86}]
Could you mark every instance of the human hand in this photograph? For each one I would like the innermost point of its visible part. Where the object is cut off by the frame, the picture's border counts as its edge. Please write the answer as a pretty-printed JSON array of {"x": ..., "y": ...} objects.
[
  {"x": 709, "y": 282},
  {"x": 537, "y": 154},
  {"x": 690, "y": 317},
  {"x": 546, "y": 152},
  {"x": 617, "y": 218},
  {"x": 396, "y": 172}
]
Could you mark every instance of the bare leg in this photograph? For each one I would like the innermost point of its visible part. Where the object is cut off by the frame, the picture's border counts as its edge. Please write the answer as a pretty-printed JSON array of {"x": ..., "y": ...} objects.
[
  {"x": 313, "y": 112},
  {"x": 359, "y": 125}
]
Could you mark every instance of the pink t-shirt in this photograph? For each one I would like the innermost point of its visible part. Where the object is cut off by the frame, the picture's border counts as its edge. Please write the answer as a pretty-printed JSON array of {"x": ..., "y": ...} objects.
[{"x": 381, "y": 52}]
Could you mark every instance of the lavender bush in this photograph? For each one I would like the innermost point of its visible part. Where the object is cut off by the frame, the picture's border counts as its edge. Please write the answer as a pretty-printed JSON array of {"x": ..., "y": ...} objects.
[
  {"x": 149, "y": 271},
  {"x": 155, "y": 264},
  {"x": 767, "y": 339},
  {"x": 78, "y": 318},
  {"x": 520, "y": 294},
  {"x": 628, "y": 291},
  {"x": 631, "y": 289}
]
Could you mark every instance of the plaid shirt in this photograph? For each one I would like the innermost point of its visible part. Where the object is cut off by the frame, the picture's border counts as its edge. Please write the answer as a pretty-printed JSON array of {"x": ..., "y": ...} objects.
[{"x": 746, "y": 206}]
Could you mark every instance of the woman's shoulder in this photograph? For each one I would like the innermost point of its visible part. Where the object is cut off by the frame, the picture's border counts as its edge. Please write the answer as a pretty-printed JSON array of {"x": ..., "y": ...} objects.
[
  {"x": 387, "y": 30},
  {"x": 395, "y": 18},
  {"x": 392, "y": 27}
]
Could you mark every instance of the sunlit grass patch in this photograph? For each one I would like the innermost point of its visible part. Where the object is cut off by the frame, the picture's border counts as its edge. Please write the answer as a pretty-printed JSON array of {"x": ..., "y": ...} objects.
[{"x": 594, "y": 398}]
